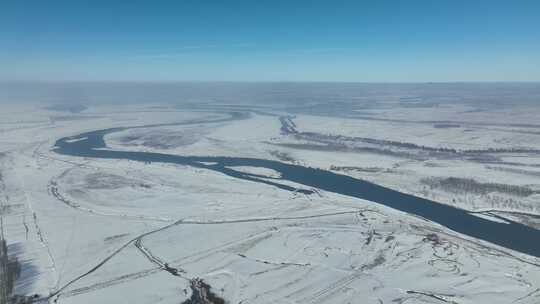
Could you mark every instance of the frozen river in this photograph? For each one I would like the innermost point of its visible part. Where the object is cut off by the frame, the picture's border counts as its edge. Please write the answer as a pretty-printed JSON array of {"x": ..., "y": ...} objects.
[{"x": 508, "y": 234}]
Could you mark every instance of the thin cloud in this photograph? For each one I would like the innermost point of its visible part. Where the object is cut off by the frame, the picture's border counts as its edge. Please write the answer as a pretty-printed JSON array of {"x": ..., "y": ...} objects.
[{"x": 186, "y": 50}]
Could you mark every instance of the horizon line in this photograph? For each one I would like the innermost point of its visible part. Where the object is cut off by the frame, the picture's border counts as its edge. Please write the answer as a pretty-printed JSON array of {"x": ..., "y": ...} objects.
[{"x": 37, "y": 81}]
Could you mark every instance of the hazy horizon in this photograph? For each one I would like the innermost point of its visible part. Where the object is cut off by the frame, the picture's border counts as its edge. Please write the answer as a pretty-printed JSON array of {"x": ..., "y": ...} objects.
[{"x": 88, "y": 93}]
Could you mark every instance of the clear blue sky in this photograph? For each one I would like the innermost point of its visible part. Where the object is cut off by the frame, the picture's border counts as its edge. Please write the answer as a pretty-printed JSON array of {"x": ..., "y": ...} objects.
[{"x": 258, "y": 40}]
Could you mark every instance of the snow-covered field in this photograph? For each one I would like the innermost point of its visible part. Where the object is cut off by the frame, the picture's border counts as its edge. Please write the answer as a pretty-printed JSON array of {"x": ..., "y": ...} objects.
[{"x": 89, "y": 230}]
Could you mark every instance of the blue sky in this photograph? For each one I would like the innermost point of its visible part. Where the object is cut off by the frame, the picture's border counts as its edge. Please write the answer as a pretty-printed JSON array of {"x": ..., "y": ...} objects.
[{"x": 366, "y": 41}]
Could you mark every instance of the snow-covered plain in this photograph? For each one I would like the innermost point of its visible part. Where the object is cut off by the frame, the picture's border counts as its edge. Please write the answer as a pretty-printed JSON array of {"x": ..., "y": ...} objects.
[{"x": 116, "y": 231}]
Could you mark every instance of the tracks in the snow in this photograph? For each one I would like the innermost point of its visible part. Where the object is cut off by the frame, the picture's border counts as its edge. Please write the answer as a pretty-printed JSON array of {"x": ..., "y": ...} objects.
[
  {"x": 164, "y": 266},
  {"x": 54, "y": 191}
]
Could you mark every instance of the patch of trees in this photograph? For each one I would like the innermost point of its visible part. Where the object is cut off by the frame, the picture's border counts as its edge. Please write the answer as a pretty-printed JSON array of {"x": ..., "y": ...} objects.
[
  {"x": 287, "y": 125},
  {"x": 9, "y": 271},
  {"x": 201, "y": 294},
  {"x": 282, "y": 156},
  {"x": 359, "y": 169},
  {"x": 467, "y": 185}
]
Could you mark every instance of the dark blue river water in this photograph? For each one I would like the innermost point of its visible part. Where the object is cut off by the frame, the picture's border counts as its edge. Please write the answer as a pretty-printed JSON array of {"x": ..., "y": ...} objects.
[{"x": 511, "y": 235}]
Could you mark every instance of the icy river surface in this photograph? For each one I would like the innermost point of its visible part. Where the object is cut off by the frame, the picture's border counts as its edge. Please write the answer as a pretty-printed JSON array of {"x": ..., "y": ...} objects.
[{"x": 508, "y": 234}]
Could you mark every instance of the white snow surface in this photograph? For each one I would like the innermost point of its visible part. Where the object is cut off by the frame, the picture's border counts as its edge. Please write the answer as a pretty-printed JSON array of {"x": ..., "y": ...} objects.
[{"x": 254, "y": 243}]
